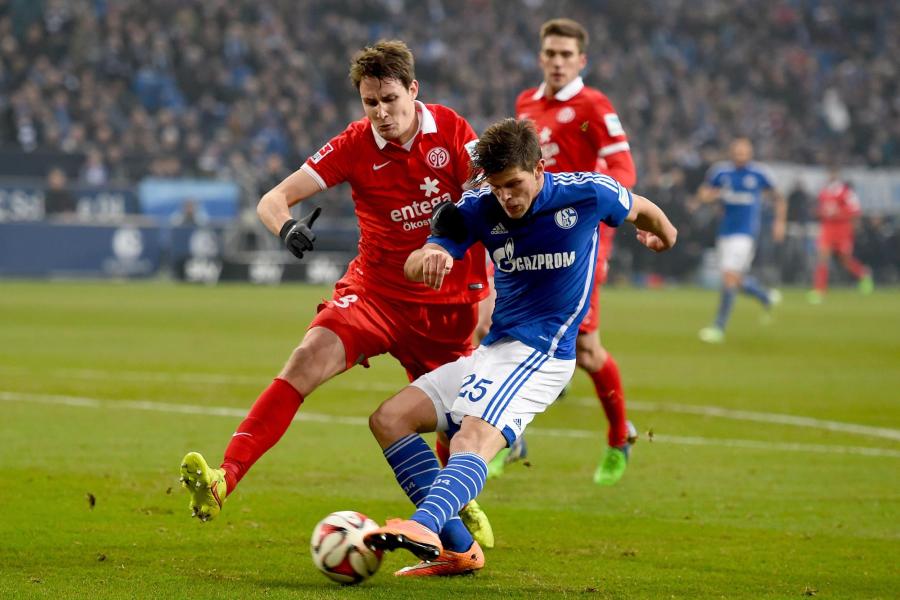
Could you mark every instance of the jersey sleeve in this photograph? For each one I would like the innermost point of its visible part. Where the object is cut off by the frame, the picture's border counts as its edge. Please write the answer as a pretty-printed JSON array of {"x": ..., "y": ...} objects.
[
  {"x": 766, "y": 179},
  {"x": 464, "y": 142},
  {"x": 613, "y": 201},
  {"x": 331, "y": 164},
  {"x": 715, "y": 176},
  {"x": 609, "y": 136},
  {"x": 470, "y": 215}
]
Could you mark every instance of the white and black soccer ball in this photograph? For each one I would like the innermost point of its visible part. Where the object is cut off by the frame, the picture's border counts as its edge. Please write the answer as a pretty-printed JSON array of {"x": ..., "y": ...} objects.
[{"x": 338, "y": 550}]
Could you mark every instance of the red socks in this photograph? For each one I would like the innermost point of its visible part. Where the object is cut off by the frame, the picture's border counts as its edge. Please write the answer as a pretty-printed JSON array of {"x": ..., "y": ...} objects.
[
  {"x": 442, "y": 451},
  {"x": 820, "y": 277},
  {"x": 266, "y": 422},
  {"x": 608, "y": 384}
]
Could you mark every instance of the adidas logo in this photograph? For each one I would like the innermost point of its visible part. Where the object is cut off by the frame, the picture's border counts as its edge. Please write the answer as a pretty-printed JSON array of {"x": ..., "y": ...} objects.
[
  {"x": 518, "y": 423},
  {"x": 499, "y": 229}
]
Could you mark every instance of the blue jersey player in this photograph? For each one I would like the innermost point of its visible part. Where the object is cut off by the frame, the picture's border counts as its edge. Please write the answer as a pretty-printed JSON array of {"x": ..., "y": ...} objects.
[
  {"x": 541, "y": 231},
  {"x": 740, "y": 184}
]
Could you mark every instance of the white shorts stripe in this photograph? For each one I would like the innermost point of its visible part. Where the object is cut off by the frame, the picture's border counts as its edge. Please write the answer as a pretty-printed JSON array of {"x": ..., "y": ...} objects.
[
  {"x": 511, "y": 392},
  {"x": 498, "y": 397},
  {"x": 536, "y": 367}
]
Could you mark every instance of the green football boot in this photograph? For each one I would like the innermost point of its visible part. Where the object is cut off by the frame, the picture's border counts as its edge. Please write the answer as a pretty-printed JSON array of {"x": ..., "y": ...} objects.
[
  {"x": 517, "y": 451},
  {"x": 476, "y": 521},
  {"x": 712, "y": 335},
  {"x": 207, "y": 486},
  {"x": 612, "y": 467},
  {"x": 866, "y": 284}
]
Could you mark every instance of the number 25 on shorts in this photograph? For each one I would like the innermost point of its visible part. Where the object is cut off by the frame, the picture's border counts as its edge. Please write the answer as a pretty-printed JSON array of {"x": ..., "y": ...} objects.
[{"x": 479, "y": 389}]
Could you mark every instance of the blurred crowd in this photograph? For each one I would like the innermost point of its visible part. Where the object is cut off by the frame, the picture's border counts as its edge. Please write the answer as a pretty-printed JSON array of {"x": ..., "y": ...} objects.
[{"x": 247, "y": 89}]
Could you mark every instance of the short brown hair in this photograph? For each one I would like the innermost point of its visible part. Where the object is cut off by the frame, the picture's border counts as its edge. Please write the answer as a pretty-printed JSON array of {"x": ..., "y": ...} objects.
[
  {"x": 387, "y": 59},
  {"x": 507, "y": 143},
  {"x": 566, "y": 28}
]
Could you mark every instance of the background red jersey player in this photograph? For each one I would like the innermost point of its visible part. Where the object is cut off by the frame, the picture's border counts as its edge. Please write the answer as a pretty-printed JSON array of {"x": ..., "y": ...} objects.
[
  {"x": 402, "y": 159},
  {"x": 838, "y": 211},
  {"x": 580, "y": 131}
]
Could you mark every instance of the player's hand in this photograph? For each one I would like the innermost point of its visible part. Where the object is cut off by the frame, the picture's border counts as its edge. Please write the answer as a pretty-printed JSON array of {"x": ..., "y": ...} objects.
[
  {"x": 653, "y": 241},
  {"x": 435, "y": 266},
  {"x": 298, "y": 236}
]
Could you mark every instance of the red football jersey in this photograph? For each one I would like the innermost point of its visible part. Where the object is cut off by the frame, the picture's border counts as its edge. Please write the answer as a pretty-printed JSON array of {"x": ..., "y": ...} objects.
[
  {"x": 838, "y": 203},
  {"x": 394, "y": 190},
  {"x": 578, "y": 127}
]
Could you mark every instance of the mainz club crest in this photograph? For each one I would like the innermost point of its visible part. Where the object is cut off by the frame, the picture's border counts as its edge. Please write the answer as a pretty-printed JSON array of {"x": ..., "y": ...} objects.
[
  {"x": 438, "y": 157},
  {"x": 566, "y": 114}
]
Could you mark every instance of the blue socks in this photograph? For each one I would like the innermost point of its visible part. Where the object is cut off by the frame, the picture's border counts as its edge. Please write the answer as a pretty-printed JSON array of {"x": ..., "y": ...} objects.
[
  {"x": 457, "y": 483},
  {"x": 726, "y": 303},
  {"x": 753, "y": 288},
  {"x": 415, "y": 466}
]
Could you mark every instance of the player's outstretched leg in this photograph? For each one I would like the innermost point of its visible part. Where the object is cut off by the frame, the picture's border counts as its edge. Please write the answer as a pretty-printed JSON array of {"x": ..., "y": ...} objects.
[
  {"x": 447, "y": 563},
  {"x": 615, "y": 460},
  {"x": 478, "y": 524},
  {"x": 517, "y": 451},
  {"x": 206, "y": 486}
]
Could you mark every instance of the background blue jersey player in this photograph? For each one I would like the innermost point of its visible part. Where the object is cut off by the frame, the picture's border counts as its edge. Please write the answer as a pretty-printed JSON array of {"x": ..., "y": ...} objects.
[
  {"x": 540, "y": 229},
  {"x": 740, "y": 184}
]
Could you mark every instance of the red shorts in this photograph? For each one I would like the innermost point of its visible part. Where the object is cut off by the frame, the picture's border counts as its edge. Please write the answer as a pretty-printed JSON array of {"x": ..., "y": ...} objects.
[
  {"x": 837, "y": 237},
  {"x": 592, "y": 319},
  {"x": 421, "y": 336}
]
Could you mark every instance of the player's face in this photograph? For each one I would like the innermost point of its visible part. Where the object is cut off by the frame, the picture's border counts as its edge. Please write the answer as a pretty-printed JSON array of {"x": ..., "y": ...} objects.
[
  {"x": 516, "y": 188},
  {"x": 561, "y": 61},
  {"x": 741, "y": 151},
  {"x": 391, "y": 107}
]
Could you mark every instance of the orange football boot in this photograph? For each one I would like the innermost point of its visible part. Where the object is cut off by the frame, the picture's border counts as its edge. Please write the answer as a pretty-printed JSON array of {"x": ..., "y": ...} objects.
[
  {"x": 409, "y": 535},
  {"x": 448, "y": 563}
]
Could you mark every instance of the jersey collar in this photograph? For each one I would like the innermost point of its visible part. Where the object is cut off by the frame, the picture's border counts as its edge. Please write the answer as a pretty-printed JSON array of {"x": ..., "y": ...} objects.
[
  {"x": 427, "y": 124},
  {"x": 569, "y": 91}
]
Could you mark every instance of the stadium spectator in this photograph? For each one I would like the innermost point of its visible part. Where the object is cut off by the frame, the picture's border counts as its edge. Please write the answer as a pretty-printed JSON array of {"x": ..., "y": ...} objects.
[{"x": 58, "y": 199}]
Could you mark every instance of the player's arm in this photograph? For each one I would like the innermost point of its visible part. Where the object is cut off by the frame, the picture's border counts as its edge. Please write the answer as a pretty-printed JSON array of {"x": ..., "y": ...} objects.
[
  {"x": 654, "y": 228},
  {"x": 707, "y": 193},
  {"x": 449, "y": 239},
  {"x": 780, "y": 221},
  {"x": 274, "y": 211},
  {"x": 620, "y": 166},
  {"x": 429, "y": 265}
]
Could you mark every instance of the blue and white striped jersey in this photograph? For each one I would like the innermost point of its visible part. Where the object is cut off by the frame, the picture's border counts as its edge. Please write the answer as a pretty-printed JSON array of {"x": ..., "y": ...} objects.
[
  {"x": 545, "y": 260},
  {"x": 742, "y": 189}
]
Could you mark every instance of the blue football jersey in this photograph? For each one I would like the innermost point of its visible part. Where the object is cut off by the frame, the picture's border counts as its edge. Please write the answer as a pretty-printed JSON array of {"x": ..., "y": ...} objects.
[
  {"x": 741, "y": 193},
  {"x": 545, "y": 260}
]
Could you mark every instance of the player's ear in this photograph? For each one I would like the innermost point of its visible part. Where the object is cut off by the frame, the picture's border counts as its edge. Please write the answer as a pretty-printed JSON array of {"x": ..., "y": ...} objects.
[
  {"x": 414, "y": 89},
  {"x": 539, "y": 169},
  {"x": 582, "y": 61}
]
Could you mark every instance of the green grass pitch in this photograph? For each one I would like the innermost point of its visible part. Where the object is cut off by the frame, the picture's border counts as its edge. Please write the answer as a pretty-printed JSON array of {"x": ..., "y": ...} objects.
[{"x": 774, "y": 471}]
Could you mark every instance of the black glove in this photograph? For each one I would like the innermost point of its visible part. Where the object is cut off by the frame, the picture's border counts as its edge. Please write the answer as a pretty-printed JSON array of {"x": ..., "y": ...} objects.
[
  {"x": 448, "y": 222},
  {"x": 297, "y": 235}
]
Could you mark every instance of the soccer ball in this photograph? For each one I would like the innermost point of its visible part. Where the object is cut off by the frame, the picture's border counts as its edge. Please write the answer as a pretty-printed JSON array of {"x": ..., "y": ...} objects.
[{"x": 338, "y": 550}]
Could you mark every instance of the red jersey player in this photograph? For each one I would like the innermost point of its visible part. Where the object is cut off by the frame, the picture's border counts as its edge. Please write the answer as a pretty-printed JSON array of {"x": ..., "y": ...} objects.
[
  {"x": 402, "y": 159},
  {"x": 837, "y": 211},
  {"x": 580, "y": 131}
]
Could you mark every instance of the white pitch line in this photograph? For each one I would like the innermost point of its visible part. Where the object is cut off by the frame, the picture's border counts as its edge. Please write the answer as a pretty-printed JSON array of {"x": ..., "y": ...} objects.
[
  {"x": 376, "y": 386},
  {"x": 221, "y": 411},
  {"x": 749, "y": 415}
]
